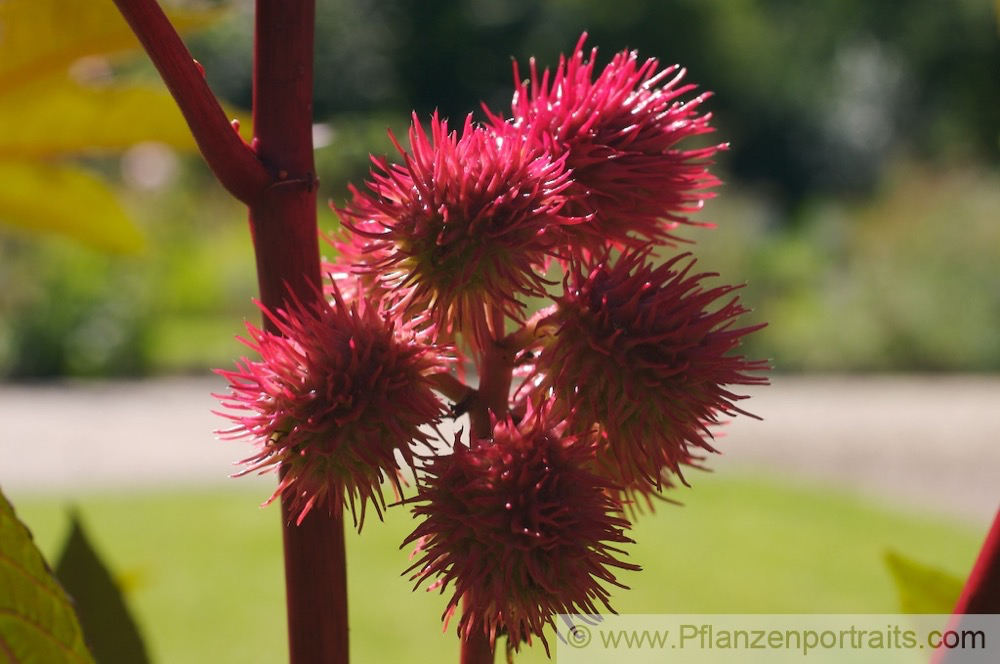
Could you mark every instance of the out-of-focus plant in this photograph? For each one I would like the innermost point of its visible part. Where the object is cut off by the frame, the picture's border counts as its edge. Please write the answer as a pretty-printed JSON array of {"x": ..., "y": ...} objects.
[
  {"x": 66, "y": 104},
  {"x": 818, "y": 97},
  {"x": 922, "y": 589},
  {"x": 60, "y": 317},
  {"x": 869, "y": 285},
  {"x": 39, "y": 623},
  {"x": 59, "y": 101}
]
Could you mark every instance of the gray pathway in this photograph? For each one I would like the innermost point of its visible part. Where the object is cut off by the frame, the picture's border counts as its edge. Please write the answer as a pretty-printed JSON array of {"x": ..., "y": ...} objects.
[{"x": 928, "y": 443}]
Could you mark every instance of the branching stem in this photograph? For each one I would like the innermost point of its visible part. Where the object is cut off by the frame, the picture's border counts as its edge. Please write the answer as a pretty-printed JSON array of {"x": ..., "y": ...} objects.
[
  {"x": 232, "y": 161},
  {"x": 530, "y": 332},
  {"x": 450, "y": 386},
  {"x": 275, "y": 177}
]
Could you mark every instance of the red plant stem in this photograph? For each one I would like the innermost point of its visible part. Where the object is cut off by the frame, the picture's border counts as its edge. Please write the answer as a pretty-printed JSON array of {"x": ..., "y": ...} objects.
[
  {"x": 232, "y": 161},
  {"x": 283, "y": 218},
  {"x": 451, "y": 387},
  {"x": 276, "y": 179},
  {"x": 496, "y": 370},
  {"x": 283, "y": 223},
  {"x": 476, "y": 650},
  {"x": 981, "y": 592},
  {"x": 315, "y": 586}
]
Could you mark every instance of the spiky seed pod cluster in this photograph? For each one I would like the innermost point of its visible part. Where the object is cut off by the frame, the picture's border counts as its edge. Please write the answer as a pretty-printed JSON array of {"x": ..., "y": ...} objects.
[
  {"x": 465, "y": 225},
  {"x": 338, "y": 392},
  {"x": 626, "y": 373},
  {"x": 643, "y": 353},
  {"x": 620, "y": 132},
  {"x": 521, "y": 528}
]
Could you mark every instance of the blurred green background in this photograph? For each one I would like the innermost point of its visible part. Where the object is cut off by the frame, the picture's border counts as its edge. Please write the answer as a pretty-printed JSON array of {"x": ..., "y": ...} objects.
[{"x": 860, "y": 206}]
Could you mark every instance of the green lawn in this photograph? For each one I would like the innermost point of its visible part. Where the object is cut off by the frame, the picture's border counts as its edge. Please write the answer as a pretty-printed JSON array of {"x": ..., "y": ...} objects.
[{"x": 204, "y": 573}]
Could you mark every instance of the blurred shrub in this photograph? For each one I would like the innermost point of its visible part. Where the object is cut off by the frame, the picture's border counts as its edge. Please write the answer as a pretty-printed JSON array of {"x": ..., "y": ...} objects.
[
  {"x": 814, "y": 96},
  {"x": 66, "y": 310},
  {"x": 905, "y": 281},
  {"x": 343, "y": 156},
  {"x": 862, "y": 244},
  {"x": 70, "y": 312}
]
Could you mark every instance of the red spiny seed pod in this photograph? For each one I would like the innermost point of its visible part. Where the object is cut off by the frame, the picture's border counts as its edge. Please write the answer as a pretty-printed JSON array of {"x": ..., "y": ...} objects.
[
  {"x": 521, "y": 528},
  {"x": 346, "y": 270},
  {"x": 464, "y": 226},
  {"x": 620, "y": 133},
  {"x": 643, "y": 354},
  {"x": 334, "y": 398}
]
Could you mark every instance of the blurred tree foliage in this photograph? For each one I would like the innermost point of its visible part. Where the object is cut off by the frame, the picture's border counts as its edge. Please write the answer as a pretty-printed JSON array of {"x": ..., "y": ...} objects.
[
  {"x": 861, "y": 204},
  {"x": 814, "y": 96},
  {"x": 904, "y": 280},
  {"x": 67, "y": 110},
  {"x": 66, "y": 310},
  {"x": 59, "y": 101}
]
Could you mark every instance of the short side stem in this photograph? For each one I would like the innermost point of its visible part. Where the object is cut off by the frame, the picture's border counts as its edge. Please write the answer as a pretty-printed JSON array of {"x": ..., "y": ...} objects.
[{"x": 496, "y": 371}]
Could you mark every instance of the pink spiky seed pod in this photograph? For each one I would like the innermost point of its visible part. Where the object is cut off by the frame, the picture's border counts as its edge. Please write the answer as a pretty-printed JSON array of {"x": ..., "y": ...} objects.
[
  {"x": 620, "y": 134},
  {"x": 346, "y": 271},
  {"x": 464, "y": 227},
  {"x": 642, "y": 354},
  {"x": 337, "y": 394},
  {"x": 521, "y": 528}
]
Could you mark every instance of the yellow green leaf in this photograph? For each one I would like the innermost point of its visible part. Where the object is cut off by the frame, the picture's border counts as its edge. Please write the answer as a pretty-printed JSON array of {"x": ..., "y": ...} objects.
[
  {"x": 68, "y": 200},
  {"x": 923, "y": 589},
  {"x": 37, "y": 623},
  {"x": 45, "y": 113},
  {"x": 42, "y": 37},
  {"x": 64, "y": 117}
]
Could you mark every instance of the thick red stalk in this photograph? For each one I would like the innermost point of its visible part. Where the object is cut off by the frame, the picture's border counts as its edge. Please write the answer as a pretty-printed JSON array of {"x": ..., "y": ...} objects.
[
  {"x": 476, "y": 650},
  {"x": 283, "y": 222},
  {"x": 275, "y": 177},
  {"x": 283, "y": 218}
]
